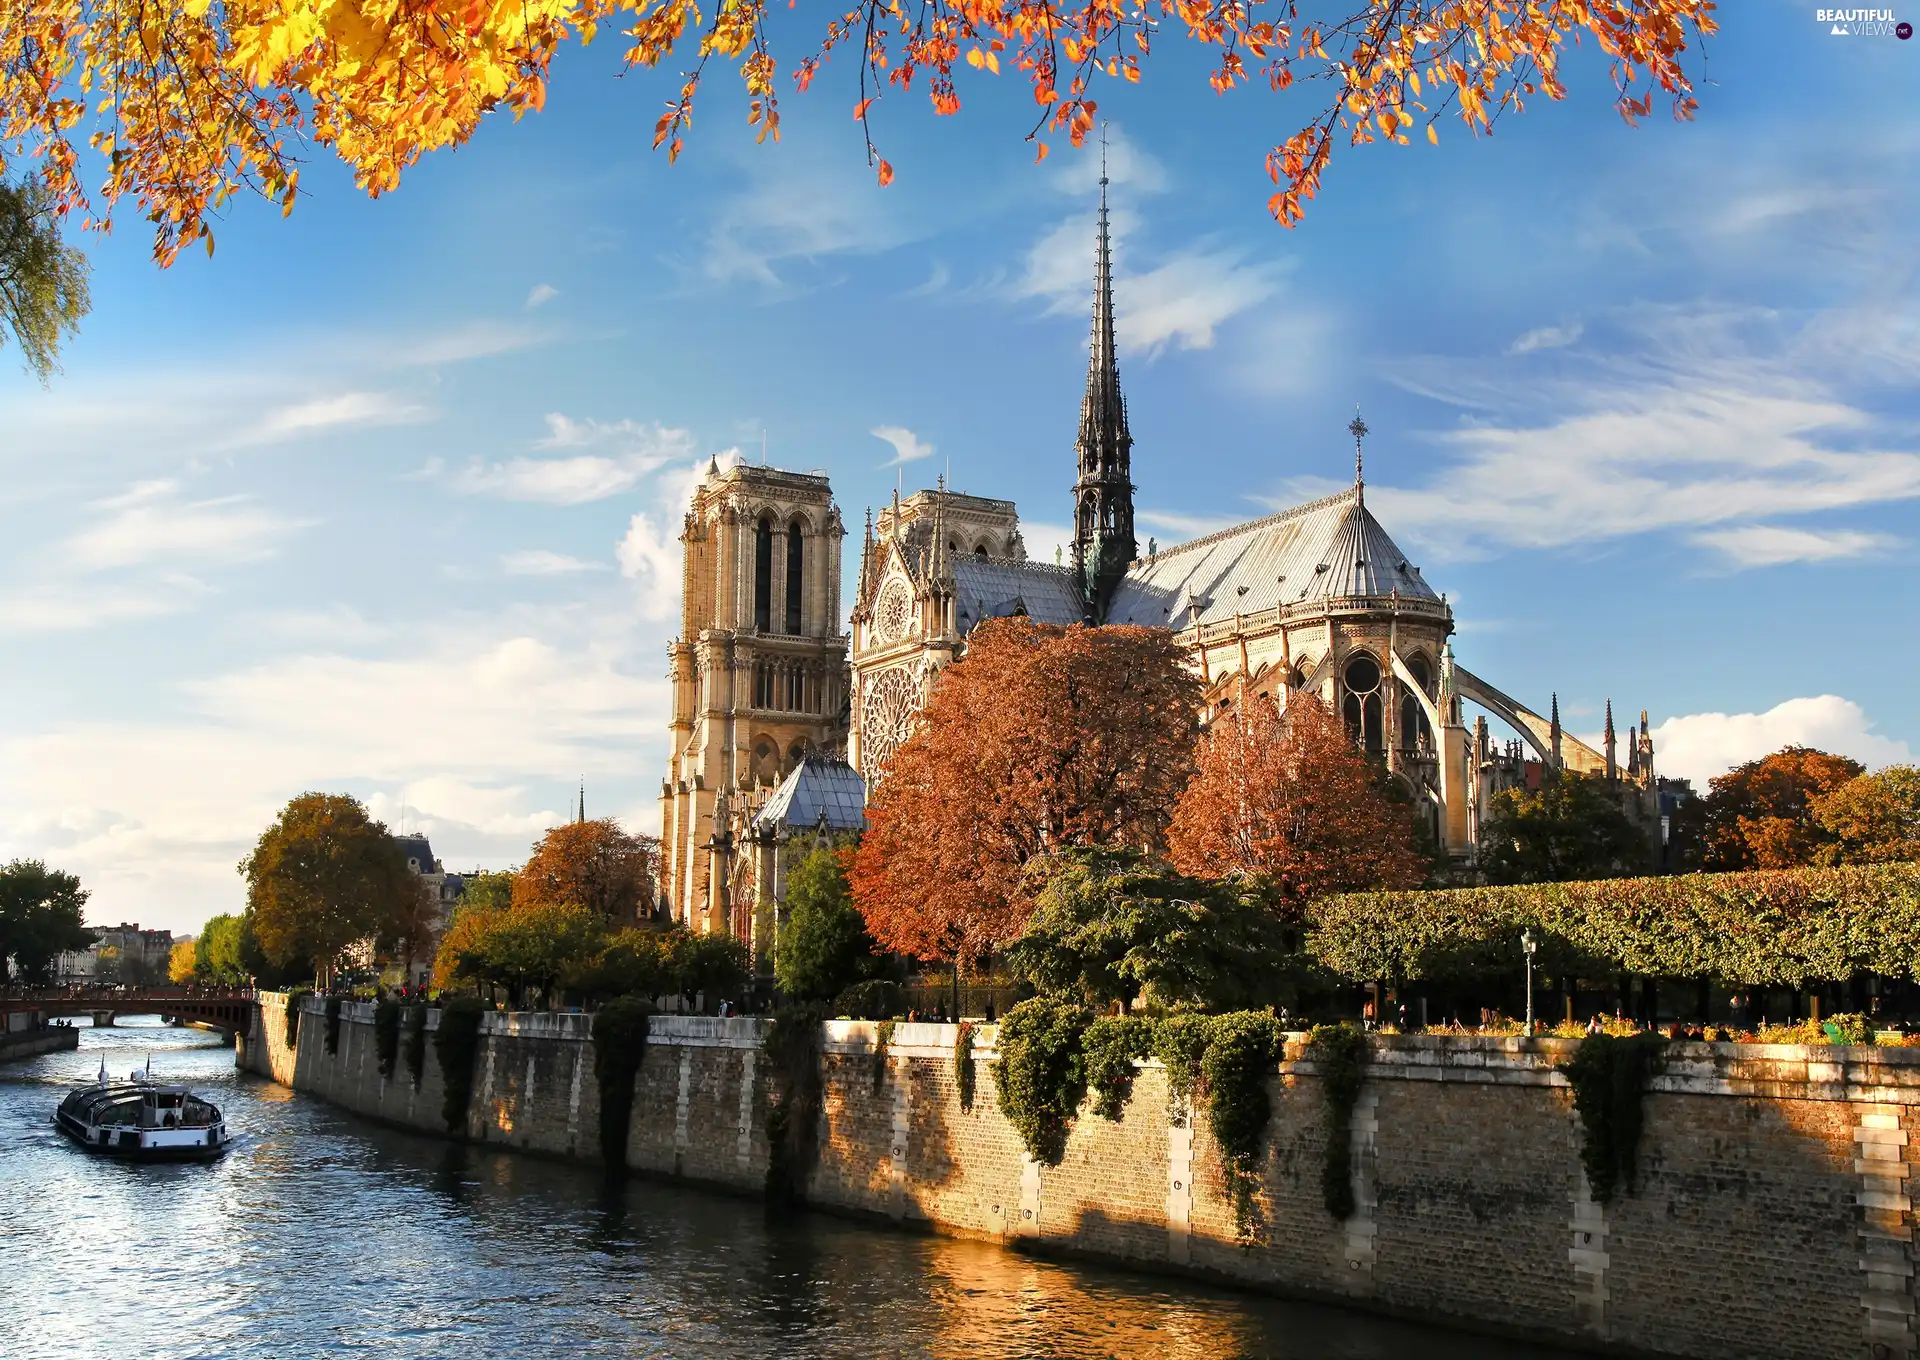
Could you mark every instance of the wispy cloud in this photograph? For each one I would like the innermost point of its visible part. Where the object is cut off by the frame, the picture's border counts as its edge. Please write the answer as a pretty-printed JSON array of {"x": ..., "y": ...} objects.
[
  {"x": 907, "y": 447},
  {"x": 540, "y": 295},
  {"x": 635, "y": 451},
  {"x": 1547, "y": 337},
  {"x": 540, "y": 562},
  {"x": 1707, "y": 422},
  {"x": 343, "y": 410},
  {"x": 1180, "y": 299},
  {"x": 1772, "y": 545},
  {"x": 152, "y": 522}
]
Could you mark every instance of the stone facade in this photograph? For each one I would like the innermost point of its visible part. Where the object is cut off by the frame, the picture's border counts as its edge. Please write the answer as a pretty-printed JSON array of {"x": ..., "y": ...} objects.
[
  {"x": 1772, "y": 1215},
  {"x": 759, "y": 676}
]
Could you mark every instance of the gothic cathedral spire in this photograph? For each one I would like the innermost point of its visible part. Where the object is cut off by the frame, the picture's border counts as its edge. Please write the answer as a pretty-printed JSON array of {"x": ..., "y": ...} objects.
[{"x": 1103, "y": 542}]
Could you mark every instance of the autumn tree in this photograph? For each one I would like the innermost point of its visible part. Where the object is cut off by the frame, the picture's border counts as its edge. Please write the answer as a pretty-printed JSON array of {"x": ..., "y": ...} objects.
[
  {"x": 1871, "y": 819},
  {"x": 323, "y": 876},
  {"x": 192, "y": 104},
  {"x": 181, "y": 962},
  {"x": 218, "y": 953},
  {"x": 1292, "y": 802},
  {"x": 41, "y": 913},
  {"x": 1760, "y": 815},
  {"x": 594, "y": 864},
  {"x": 43, "y": 281},
  {"x": 1571, "y": 827},
  {"x": 528, "y": 948},
  {"x": 1038, "y": 739}
]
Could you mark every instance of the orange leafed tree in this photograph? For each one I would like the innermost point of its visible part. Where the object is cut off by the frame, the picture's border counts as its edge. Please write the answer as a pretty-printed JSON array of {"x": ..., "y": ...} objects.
[
  {"x": 1038, "y": 739},
  {"x": 1760, "y": 815},
  {"x": 595, "y": 865},
  {"x": 1291, "y": 801},
  {"x": 191, "y": 103}
]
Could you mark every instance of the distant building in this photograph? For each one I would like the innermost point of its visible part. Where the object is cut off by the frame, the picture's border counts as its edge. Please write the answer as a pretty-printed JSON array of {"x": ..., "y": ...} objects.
[
  {"x": 446, "y": 889},
  {"x": 122, "y": 953}
]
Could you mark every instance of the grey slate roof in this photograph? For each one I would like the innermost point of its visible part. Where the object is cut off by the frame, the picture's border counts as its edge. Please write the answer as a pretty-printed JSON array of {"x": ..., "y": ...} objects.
[
  {"x": 416, "y": 848},
  {"x": 1327, "y": 549},
  {"x": 817, "y": 785},
  {"x": 998, "y": 587}
]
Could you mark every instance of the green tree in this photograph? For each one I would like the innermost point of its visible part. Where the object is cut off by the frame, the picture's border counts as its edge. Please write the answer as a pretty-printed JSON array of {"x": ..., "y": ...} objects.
[
  {"x": 488, "y": 890},
  {"x": 824, "y": 946},
  {"x": 43, "y": 281},
  {"x": 1873, "y": 818},
  {"x": 636, "y": 962},
  {"x": 1568, "y": 829},
  {"x": 41, "y": 911},
  {"x": 717, "y": 966},
  {"x": 1109, "y": 925},
  {"x": 264, "y": 971},
  {"x": 217, "y": 958},
  {"x": 533, "y": 947},
  {"x": 323, "y": 876}
]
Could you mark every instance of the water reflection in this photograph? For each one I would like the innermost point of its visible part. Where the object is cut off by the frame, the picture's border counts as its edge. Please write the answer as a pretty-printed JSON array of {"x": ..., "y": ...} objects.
[{"x": 320, "y": 1235}]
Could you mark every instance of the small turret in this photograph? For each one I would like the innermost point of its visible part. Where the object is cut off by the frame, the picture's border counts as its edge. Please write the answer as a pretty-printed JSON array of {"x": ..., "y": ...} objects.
[
  {"x": 1553, "y": 737},
  {"x": 1613, "y": 764}
]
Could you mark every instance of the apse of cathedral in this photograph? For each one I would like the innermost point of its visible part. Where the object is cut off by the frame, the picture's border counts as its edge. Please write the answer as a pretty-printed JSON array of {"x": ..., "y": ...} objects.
[{"x": 781, "y": 721}]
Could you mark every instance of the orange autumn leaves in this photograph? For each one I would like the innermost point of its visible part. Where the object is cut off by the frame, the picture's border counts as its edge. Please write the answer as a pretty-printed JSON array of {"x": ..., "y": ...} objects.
[
  {"x": 1045, "y": 738},
  {"x": 192, "y": 103}
]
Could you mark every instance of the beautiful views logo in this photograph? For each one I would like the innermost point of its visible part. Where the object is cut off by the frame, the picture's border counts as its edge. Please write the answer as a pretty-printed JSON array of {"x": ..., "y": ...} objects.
[{"x": 1863, "y": 23}]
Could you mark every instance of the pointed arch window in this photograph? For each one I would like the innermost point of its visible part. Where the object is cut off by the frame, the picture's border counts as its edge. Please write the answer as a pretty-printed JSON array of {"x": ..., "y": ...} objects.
[
  {"x": 796, "y": 559},
  {"x": 1361, "y": 706},
  {"x": 1416, "y": 733},
  {"x": 763, "y": 575}
]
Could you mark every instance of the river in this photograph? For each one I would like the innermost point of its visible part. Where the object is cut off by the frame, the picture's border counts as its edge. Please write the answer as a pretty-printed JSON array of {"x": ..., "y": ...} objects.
[{"x": 323, "y": 1235}]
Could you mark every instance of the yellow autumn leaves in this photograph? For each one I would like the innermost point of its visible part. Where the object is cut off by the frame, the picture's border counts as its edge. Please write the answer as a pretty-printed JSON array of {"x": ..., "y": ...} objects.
[{"x": 192, "y": 102}]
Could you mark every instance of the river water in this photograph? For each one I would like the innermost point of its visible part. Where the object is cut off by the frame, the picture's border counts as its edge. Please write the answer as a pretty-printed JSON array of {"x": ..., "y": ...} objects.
[{"x": 321, "y": 1235}]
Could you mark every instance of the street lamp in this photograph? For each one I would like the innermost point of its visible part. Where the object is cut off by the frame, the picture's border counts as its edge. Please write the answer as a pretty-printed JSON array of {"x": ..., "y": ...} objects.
[{"x": 1529, "y": 944}]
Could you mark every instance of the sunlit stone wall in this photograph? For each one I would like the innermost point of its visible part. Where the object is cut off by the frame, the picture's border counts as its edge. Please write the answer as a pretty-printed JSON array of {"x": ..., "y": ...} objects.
[{"x": 1772, "y": 1214}]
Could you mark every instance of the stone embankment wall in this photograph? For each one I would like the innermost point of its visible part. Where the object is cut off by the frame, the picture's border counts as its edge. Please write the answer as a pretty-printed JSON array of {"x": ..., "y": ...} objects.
[
  {"x": 27, "y": 1042},
  {"x": 1772, "y": 1216}
]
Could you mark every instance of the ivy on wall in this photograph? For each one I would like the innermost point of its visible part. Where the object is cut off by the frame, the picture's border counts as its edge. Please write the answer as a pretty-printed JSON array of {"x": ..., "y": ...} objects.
[
  {"x": 1242, "y": 1051},
  {"x": 882, "y": 1039},
  {"x": 294, "y": 1001},
  {"x": 1609, "y": 1080},
  {"x": 1341, "y": 1052},
  {"x": 1180, "y": 1042},
  {"x": 963, "y": 1073},
  {"x": 456, "y": 1043},
  {"x": 1763, "y": 928},
  {"x": 416, "y": 1043},
  {"x": 1041, "y": 1074},
  {"x": 1113, "y": 1043},
  {"x": 333, "y": 1024},
  {"x": 792, "y": 1045},
  {"x": 386, "y": 1035},
  {"x": 620, "y": 1031}
]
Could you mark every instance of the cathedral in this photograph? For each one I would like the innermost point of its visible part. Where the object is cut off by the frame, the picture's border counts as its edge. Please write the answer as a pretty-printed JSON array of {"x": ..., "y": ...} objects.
[{"x": 780, "y": 719}]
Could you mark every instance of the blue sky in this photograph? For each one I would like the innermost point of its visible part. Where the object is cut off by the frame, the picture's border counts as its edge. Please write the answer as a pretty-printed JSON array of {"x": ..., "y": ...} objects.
[{"x": 383, "y": 497}]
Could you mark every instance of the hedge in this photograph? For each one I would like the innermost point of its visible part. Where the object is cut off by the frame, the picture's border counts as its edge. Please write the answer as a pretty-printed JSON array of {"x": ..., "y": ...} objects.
[{"x": 1762, "y": 928}]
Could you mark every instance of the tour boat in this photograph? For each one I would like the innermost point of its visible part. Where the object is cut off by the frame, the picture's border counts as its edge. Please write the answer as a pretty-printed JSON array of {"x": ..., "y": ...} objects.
[{"x": 142, "y": 1120}]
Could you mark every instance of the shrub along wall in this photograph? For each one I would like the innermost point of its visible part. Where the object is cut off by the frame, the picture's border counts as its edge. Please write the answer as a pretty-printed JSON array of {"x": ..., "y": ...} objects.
[{"x": 1765, "y": 928}]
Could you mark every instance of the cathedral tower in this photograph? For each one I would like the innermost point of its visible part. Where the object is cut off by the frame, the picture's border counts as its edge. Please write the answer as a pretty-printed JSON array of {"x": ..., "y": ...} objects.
[
  {"x": 759, "y": 673},
  {"x": 1103, "y": 542}
]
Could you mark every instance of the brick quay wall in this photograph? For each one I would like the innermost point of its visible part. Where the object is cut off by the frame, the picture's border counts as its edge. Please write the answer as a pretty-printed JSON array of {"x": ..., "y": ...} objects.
[{"x": 1772, "y": 1216}]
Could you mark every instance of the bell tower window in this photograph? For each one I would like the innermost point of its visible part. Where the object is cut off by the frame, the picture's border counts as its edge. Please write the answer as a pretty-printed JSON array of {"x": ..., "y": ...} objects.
[
  {"x": 795, "y": 559},
  {"x": 763, "y": 575}
]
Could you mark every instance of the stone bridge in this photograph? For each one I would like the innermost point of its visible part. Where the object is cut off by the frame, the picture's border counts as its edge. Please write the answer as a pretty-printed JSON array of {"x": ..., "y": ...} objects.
[{"x": 228, "y": 1010}]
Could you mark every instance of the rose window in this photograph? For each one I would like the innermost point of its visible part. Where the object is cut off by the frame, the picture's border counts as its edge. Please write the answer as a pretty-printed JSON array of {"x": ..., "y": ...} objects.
[
  {"x": 893, "y": 615},
  {"x": 887, "y": 716}
]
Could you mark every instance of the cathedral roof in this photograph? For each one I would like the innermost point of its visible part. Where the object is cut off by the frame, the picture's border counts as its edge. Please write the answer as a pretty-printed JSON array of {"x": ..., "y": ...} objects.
[
  {"x": 820, "y": 790},
  {"x": 998, "y": 588},
  {"x": 1328, "y": 549}
]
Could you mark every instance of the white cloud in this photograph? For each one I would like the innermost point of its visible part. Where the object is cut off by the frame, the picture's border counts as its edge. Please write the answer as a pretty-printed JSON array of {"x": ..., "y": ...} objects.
[
  {"x": 540, "y": 562},
  {"x": 154, "y": 814},
  {"x": 75, "y": 606},
  {"x": 1704, "y": 421},
  {"x": 1769, "y": 545},
  {"x": 541, "y": 294},
  {"x": 651, "y": 559},
  {"x": 636, "y": 451},
  {"x": 1547, "y": 337},
  {"x": 344, "y": 410},
  {"x": 907, "y": 447},
  {"x": 802, "y": 210},
  {"x": 1043, "y": 540},
  {"x": 151, "y": 522},
  {"x": 1700, "y": 745},
  {"x": 1180, "y": 300},
  {"x": 1126, "y": 164},
  {"x": 1187, "y": 526}
]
